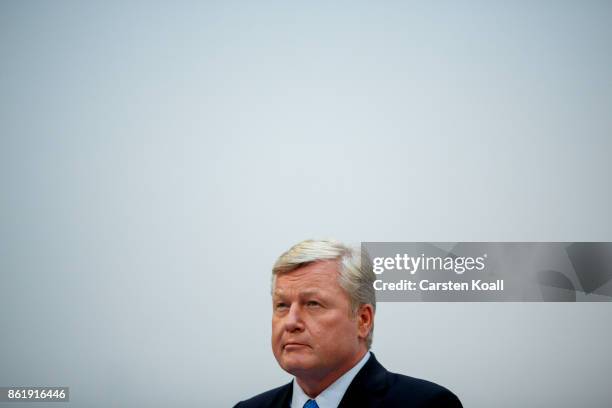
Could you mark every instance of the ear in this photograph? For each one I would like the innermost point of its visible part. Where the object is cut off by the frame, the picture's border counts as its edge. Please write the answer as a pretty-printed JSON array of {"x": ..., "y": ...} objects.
[{"x": 365, "y": 320}]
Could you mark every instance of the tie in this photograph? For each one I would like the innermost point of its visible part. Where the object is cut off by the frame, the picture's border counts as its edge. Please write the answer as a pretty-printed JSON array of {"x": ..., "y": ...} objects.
[{"x": 311, "y": 404}]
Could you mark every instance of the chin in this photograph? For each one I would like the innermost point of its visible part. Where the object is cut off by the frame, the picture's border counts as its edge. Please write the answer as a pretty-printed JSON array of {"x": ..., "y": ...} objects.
[{"x": 296, "y": 364}]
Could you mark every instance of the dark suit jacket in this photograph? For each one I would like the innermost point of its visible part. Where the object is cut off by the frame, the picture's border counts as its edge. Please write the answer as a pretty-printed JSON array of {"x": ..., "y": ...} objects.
[{"x": 373, "y": 386}]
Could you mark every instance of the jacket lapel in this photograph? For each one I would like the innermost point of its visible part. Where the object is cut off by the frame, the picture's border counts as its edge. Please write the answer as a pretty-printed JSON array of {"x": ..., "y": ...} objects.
[
  {"x": 283, "y": 398},
  {"x": 367, "y": 387}
]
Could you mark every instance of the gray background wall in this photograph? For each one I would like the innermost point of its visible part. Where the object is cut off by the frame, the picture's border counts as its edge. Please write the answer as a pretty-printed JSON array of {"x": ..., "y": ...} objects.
[{"x": 155, "y": 158}]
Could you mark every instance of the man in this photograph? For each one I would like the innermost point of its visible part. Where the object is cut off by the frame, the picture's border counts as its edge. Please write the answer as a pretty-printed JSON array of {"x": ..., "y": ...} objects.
[{"x": 322, "y": 324}]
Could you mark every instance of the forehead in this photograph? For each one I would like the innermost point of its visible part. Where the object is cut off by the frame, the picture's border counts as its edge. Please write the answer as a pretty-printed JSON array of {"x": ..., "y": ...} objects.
[{"x": 319, "y": 276}]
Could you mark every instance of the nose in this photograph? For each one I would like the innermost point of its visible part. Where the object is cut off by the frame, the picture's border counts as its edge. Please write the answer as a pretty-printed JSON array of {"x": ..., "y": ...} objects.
[{"x": 293, "y": 319}]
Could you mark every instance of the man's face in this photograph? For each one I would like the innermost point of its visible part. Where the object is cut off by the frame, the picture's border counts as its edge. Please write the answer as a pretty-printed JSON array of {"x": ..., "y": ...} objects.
[{"x": 313, "y": 333}]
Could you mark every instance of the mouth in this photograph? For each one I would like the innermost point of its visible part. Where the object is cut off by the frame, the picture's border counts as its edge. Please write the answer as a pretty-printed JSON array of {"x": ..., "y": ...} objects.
[{"x": 294, "y": 346}]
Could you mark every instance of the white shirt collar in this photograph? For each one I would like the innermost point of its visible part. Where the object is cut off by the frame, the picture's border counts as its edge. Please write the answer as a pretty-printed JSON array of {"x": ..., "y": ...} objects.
[{"x": 332, "y": 395}]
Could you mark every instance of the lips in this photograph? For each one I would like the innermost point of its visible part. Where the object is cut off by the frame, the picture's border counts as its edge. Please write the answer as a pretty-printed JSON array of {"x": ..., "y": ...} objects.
[{"x": 294, "y": 345}]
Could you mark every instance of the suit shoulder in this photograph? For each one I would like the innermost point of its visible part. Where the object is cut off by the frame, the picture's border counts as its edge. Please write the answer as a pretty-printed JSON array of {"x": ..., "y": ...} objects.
[
  {"x": 265, "y": 399},
  {"x": 426, "y": 392}
]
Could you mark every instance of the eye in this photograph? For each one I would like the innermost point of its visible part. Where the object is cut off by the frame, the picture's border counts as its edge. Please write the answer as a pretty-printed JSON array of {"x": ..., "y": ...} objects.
[
  {"x": 280, "y": 306},
  {"x": 313, "y": 303}
]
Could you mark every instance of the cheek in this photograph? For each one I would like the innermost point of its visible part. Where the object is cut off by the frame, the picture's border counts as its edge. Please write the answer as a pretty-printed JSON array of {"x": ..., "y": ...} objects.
[
  {"x": 276, "y": 328},
  {"x": 276, "y": 344},
  {"x": 326, "y": 327},
  {"x": 343, "y": 328}
]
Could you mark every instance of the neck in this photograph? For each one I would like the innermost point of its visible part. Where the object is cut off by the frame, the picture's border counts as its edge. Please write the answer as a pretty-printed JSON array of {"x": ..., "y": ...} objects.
[{"x": 313, "y": 386}]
